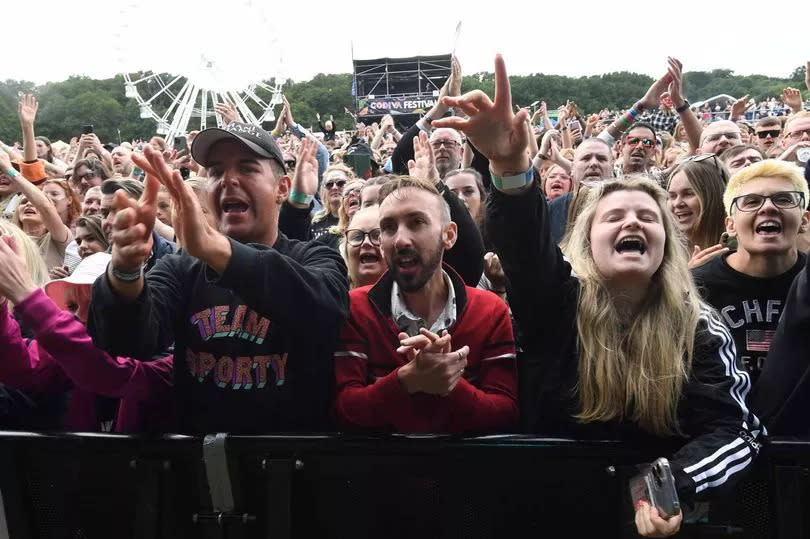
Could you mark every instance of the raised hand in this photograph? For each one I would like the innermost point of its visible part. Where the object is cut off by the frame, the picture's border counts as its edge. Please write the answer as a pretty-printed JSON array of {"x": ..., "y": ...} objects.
[
  {"x": 423, "y": 164},
  {"x": 454, "y": 89},
  {"x": 199, "y": 238},
  {"x": 27, "y": 109},
  {"x": 792, "y": 98},
  {"x": 15, "y": 279},
  {"x": 227, "y": 111},
  {"x": 132, "y": 226},
  {"x": 305, "y": 179},
  {"x": 650, "y": 99},
  {"x": 492, "y": 127},
  {"x": 739, "y": 106},
  {"x": 675, "y": 71}
]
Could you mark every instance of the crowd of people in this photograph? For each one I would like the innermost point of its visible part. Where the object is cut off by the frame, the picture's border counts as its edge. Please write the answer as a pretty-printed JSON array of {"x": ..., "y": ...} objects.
[{"x": 637, "y": 274}]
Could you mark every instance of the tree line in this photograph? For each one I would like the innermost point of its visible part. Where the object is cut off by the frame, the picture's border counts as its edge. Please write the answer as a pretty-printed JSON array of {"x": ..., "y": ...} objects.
[{"x": 67, "y": 105}]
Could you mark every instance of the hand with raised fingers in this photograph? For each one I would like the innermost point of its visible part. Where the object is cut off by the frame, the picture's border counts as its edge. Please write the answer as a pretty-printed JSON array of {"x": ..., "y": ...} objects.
[
  {"x": 27, "y": 109},
  {"x": 199, "y": 238},
  {"x": 423, "y": 164},
  {"x": 650, "y": 99},
  {"x": 492, "y": 127},
  {"x": 701, "y": 256},
  {"x": 792, "y": 98},
  {"x": 305, "y": 178},
  {"x": 675, "y": 87},
  {"x": 132, "y": 226},
  {"x": 739, "y": 106},
  {"x": 16, "y": 283},
  {"x": 227, "y": 111}
]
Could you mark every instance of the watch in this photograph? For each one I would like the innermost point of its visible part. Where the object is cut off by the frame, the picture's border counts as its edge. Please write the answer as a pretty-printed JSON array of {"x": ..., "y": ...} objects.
[
  {"x": 127, "y": 276},
  {"x": 682, "y": 107},
  {"x": 428, "y": 119}
]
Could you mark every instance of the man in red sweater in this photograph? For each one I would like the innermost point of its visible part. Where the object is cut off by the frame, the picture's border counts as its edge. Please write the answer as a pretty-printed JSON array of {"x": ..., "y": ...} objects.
[{"x": 422, "y": 352}]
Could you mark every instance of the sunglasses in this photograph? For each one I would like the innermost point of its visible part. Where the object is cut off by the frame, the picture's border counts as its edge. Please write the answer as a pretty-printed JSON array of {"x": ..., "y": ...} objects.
[
  {"x": 774, "y": 133},
  {"x": 355, "y": 237},
  {"x": 635, "y": 141},
  {"x": 332, "y": 183},
  {"x": 86, "y": 176},
  {"x": 290, "y": 164}
]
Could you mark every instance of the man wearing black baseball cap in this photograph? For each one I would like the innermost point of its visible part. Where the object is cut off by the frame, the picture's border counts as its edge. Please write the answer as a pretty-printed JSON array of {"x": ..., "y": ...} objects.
[{"x": 253, "y": 315}]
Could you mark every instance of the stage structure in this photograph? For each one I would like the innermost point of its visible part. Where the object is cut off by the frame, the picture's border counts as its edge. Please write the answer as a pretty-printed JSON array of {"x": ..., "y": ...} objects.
[{"x": 404, "y": 87}]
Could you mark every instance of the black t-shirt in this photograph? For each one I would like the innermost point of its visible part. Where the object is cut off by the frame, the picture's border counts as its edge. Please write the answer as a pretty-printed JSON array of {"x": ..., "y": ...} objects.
[
  {"x": 749, "y": 306},
  {"x": 322, "y": 227}
]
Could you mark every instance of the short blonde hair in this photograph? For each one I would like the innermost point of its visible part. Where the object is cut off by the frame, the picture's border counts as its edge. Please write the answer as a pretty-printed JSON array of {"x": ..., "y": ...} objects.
[
  {"x": 772, "y": 168},
  {"x": 796, "y": 116}
]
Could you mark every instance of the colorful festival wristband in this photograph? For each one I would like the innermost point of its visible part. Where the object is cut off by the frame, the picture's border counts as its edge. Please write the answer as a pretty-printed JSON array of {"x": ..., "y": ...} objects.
[
  {"x": 300, "y": 198},
  {"x": 513, "y": 182}
]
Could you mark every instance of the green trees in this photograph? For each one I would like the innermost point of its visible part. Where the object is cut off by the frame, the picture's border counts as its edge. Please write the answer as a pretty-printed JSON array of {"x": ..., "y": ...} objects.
[{"x": 67, "y": 105}]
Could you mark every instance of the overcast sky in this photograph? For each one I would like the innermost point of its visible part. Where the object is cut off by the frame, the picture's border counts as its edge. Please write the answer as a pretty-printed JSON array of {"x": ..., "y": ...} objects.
[{"x": 248, "y": 39}]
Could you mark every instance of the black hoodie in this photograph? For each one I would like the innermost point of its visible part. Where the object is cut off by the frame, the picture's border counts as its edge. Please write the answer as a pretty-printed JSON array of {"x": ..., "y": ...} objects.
[{"x": 253, "y": 347}]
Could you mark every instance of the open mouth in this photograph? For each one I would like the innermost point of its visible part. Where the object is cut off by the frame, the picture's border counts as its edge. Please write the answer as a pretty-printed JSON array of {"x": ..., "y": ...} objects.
[
  {"x": 631, "y": 244},
  {"x": 407, "y": 262},
  {"x": 369, "y": 258},
  {"x": 683, "y": 215},
  {"x": 233, "y": 206},
  {"x": 354, "y": 203},
  {"x": 768, "y": 228}
]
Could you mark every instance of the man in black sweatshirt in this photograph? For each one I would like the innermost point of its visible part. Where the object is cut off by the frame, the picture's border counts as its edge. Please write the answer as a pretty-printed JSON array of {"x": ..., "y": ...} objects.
[
  {"x": 766, "y": 205},
  {"x": 252, "y": 314}
]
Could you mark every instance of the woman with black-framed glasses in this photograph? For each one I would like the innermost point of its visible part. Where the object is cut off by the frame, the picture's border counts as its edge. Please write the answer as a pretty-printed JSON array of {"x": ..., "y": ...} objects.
[
  {"x": 360, "y": 248},
  {"x": 766, "y": 211}
]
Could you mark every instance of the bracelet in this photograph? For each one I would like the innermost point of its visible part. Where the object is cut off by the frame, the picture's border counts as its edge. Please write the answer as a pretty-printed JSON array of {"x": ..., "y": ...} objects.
[
  {"x": 300, "y": 198},
  {"x": 12, "y": 173},
  {"x": 513, "y": 182},
  {"x": 127, "y": 276},
  {"x": 683, "y": 107}
]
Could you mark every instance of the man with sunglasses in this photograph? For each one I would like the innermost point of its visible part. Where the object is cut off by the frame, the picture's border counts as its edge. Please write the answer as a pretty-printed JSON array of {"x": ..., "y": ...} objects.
[
  {"x": 638, "y": 149},
  {"x": 765, "y": 204},
  {"x": 421, "y": 351},
  {"x": 768, "y": 131}
]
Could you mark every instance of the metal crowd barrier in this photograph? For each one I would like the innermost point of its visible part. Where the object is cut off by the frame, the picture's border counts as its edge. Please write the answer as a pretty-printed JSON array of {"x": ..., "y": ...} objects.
[{"x": 88, "y": 486}]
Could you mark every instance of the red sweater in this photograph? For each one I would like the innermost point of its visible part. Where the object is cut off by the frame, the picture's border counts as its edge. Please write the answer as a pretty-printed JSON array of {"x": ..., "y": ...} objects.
[{"x": 369, "y": 394}]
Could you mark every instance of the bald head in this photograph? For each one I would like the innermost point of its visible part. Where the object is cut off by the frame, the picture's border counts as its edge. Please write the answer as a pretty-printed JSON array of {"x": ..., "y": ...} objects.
[
  {"x": 718, "y": 136},
  {"x": 593, "y": 161},
  {"x": 447, "y": 149}
]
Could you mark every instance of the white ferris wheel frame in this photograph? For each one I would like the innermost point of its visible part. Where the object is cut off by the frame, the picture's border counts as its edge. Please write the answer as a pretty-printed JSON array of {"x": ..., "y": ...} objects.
[{"x": 193, "y": 101}]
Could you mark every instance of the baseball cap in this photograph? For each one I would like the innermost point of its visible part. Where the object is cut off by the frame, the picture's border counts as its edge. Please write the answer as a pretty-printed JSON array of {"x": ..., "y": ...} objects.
[
  {"x": 86, "y": 273},
  {"x": 254, "y": 137}
]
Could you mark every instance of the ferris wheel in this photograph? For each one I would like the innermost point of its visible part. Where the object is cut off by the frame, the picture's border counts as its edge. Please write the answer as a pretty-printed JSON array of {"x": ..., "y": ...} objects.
[
  {"x": 178, "y": 104},
  {"x": 179, "y": 90}
]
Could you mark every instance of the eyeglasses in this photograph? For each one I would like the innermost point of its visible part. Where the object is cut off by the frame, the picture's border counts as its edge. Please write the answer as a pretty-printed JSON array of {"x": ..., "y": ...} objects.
[
  {"x": 332, "y": 183},
  {"x": 784, "y": 200},
  {"x": 355, "y": 237},
  {"x": 349, "y": 192},
  {"x": 291, "y": 163},
  {"x": 449, "y": 144},
  {"x": 716, "y": 136},
  {"x": 772, "y": 132},
  {"x": 796, "y": 135},
  {"x": 635, "y": 141}
]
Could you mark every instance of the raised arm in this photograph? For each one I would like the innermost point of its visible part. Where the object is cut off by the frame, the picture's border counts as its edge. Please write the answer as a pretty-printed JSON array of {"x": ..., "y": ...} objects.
[
  {"x": 690, "y": 121},
  {"x": 650, "y": 100}
]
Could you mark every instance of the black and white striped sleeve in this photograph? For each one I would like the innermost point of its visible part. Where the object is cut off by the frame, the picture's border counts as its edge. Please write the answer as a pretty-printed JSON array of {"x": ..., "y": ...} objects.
[{"x": 725, "y": 436}]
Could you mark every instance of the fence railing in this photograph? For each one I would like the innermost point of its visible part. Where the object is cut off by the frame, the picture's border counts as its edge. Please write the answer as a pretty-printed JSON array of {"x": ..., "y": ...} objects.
[{"x": 102, "y": 486}]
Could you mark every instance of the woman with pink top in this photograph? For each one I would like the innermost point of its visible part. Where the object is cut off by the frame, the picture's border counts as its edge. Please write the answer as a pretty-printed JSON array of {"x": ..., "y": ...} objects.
[{"x": 61, "y": 356}]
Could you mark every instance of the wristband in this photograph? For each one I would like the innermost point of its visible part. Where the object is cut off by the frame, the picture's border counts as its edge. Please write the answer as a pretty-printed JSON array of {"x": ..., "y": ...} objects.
[
  {"x": 683, "y": 107},
  {"x": 300, "y": 198},
  {"x": 513, "y": 182},
  {"x": 127, "y": 276},
  {"x": 12, "y": 173}
]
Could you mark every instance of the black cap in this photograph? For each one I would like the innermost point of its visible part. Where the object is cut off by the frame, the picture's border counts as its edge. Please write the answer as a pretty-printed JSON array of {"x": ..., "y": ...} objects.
[{"x": 254, "y": 137}]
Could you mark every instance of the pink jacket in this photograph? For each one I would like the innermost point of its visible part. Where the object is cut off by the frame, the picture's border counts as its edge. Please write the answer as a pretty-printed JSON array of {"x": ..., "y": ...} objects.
[{"x": 62, "y": 356}]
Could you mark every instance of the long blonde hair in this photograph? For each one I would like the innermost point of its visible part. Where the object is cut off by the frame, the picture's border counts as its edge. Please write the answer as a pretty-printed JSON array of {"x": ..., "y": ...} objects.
[
  {"x": 634, "y": 368},
  {"x": 33, "y": 259}
]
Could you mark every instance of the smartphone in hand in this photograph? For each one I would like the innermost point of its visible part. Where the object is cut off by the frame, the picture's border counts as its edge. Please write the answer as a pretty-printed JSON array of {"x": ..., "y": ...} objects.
[{"x": 656, "y": 485}]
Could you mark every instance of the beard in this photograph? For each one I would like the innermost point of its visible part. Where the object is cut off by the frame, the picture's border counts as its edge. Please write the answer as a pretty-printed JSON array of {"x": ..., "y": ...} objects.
[{"x": 426, "y": 268}]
